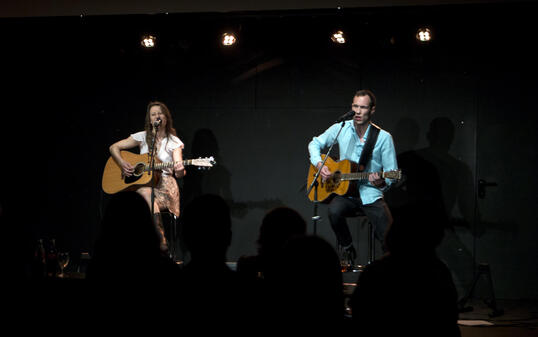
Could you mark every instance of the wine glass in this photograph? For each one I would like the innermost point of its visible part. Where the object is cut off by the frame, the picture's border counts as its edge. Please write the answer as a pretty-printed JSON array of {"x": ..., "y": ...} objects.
[{"x": 63, "y": 261}]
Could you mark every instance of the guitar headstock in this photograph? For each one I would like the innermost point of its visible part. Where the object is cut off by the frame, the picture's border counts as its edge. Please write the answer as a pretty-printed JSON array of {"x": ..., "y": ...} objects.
[
  {"x": 395, "y": 174},
  {"x": 204, "y": 163}
]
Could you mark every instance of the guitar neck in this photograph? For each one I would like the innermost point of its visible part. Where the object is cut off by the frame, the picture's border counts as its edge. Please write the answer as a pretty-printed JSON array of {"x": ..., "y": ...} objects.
[
  {"x": 162, "y": 166},
  {"x": 359, "y": 175}
]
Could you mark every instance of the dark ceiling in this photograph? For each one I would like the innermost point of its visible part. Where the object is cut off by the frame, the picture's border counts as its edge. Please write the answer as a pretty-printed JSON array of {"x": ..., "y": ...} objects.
[{"x": 51, "y": 8}]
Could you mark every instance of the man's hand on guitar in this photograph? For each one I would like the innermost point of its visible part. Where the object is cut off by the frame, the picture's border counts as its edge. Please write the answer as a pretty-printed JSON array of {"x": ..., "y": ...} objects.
[
  {"x": 325, "y": 172},
  {"x": 376, "y": 180}
]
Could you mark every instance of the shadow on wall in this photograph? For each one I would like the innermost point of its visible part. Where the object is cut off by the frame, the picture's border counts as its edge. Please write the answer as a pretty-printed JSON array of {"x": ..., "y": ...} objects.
[
  {"x": 216, "y": 180},
  {"x": 432, "y": 176}
]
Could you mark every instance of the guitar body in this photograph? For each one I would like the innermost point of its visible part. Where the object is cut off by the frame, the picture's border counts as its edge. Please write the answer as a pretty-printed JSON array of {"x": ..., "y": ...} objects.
[
  {"x": 333, "y": 186},
  {"x": 113, "y": 179}
]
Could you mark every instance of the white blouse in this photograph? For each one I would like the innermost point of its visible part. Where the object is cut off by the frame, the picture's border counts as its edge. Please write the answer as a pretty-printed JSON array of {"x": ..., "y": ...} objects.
[{"x": 166, "y": 147}]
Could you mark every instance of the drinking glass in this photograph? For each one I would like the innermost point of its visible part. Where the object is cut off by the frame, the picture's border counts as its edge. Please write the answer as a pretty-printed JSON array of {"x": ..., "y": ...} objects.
[{"x": 63, "y": 262}]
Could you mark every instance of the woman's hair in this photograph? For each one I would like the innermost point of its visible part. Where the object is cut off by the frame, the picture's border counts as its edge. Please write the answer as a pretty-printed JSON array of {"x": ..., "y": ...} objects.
[{"x": 169, "y": 129}]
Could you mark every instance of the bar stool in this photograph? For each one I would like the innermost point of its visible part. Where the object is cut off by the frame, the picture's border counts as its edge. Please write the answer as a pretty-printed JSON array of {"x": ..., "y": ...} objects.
[{"x": 355, "y": 230}]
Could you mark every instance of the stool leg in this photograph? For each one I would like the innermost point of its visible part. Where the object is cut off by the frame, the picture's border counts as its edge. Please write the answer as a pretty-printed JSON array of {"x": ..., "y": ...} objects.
[
  {"x": 492, "y": 303},
  {"x": 371, "y": 243},
  {"x": 173, "y": 236}
]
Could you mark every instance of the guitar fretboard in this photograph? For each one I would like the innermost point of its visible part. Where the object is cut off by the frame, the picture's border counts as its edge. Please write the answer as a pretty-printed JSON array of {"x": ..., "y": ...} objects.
[
  {"x": 162, "y": 166},
  {"x": 355, "y": 176},
  {"x": 359, "y": 175}
]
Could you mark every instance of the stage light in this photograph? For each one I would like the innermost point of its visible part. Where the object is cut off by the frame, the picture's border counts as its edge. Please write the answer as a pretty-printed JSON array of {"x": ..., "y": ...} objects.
[
  {"x": 228, "y": 39},
  {"x": 338, "y": 37},
  {"x": 148, "y": 41},
  {"x": 424, "y": 34}
]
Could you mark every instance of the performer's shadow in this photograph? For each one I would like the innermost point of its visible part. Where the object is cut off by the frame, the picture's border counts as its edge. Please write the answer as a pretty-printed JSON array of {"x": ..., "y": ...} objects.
[
  {"x": 199, "y": 181},
  {"x": 215, "y": 180},
  {"x": 434, "y": 178}
]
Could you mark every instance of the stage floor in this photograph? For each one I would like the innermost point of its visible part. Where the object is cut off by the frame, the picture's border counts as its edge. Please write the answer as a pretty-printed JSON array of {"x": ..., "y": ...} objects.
[{"x": 519, "y": 318}]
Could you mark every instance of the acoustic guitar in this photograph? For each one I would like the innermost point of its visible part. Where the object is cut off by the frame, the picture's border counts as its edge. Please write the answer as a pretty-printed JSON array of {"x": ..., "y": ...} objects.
[
  {"x": 344, "y": 176},
  {"x": 114, "y": 181}
]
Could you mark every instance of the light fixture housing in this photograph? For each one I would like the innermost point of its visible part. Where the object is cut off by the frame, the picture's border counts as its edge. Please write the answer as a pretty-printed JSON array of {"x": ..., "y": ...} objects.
[
  {"x": 148, "y": 41},
  {"x": 424, "y": 34},
  {"x": 338, "y": 37},
  {"x": 228, "y": 39}
]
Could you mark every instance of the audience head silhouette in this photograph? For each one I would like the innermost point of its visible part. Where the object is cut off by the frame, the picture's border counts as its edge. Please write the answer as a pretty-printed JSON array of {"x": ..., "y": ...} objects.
[
  {"x": 409, "y": 280},
  {"x": 277, "y": 227},
  {"x": 128, "y": 240},
  {"x": 207, "y": 231},
  {"x": 310, "y": 279}
]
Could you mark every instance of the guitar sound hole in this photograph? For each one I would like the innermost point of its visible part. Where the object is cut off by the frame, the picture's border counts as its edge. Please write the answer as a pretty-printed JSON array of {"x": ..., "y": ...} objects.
[
  {"x": 139, "y": 169},
  {"x": 334, "y": 181},
  {"x": 131, "y": 179},
  {"x": 336, "y": 177}
]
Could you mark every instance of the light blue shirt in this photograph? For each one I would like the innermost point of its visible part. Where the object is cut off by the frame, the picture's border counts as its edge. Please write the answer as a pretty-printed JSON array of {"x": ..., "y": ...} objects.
[{"x": 383, "y": 155}]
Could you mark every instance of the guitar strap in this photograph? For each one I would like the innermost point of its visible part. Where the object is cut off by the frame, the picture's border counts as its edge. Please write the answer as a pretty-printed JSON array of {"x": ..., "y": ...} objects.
[{"x": 368, "y": 147}]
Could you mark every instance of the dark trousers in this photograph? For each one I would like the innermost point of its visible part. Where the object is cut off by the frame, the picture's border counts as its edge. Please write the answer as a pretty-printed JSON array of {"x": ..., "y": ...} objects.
[{"x": 340, "y": 208}]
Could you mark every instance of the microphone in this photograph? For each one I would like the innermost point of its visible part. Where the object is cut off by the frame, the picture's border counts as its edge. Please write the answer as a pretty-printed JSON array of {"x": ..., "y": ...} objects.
[
  {"x": 345, "y": 116},
  {"x": 157, "y": 122}
]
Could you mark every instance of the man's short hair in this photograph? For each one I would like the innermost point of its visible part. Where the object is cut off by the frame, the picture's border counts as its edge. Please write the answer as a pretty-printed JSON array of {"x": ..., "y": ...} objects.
[{"x": 366, "y": 92}]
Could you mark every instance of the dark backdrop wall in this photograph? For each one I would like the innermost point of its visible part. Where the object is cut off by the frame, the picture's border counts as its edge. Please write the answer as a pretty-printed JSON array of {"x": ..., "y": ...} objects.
[{"x": 460, "y": 107}]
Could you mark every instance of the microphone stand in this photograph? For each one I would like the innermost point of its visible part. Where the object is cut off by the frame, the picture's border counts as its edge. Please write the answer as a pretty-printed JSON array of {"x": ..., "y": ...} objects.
[
  {"x": 151, "y": 169},
  {"x": 314, "y": 184}
]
